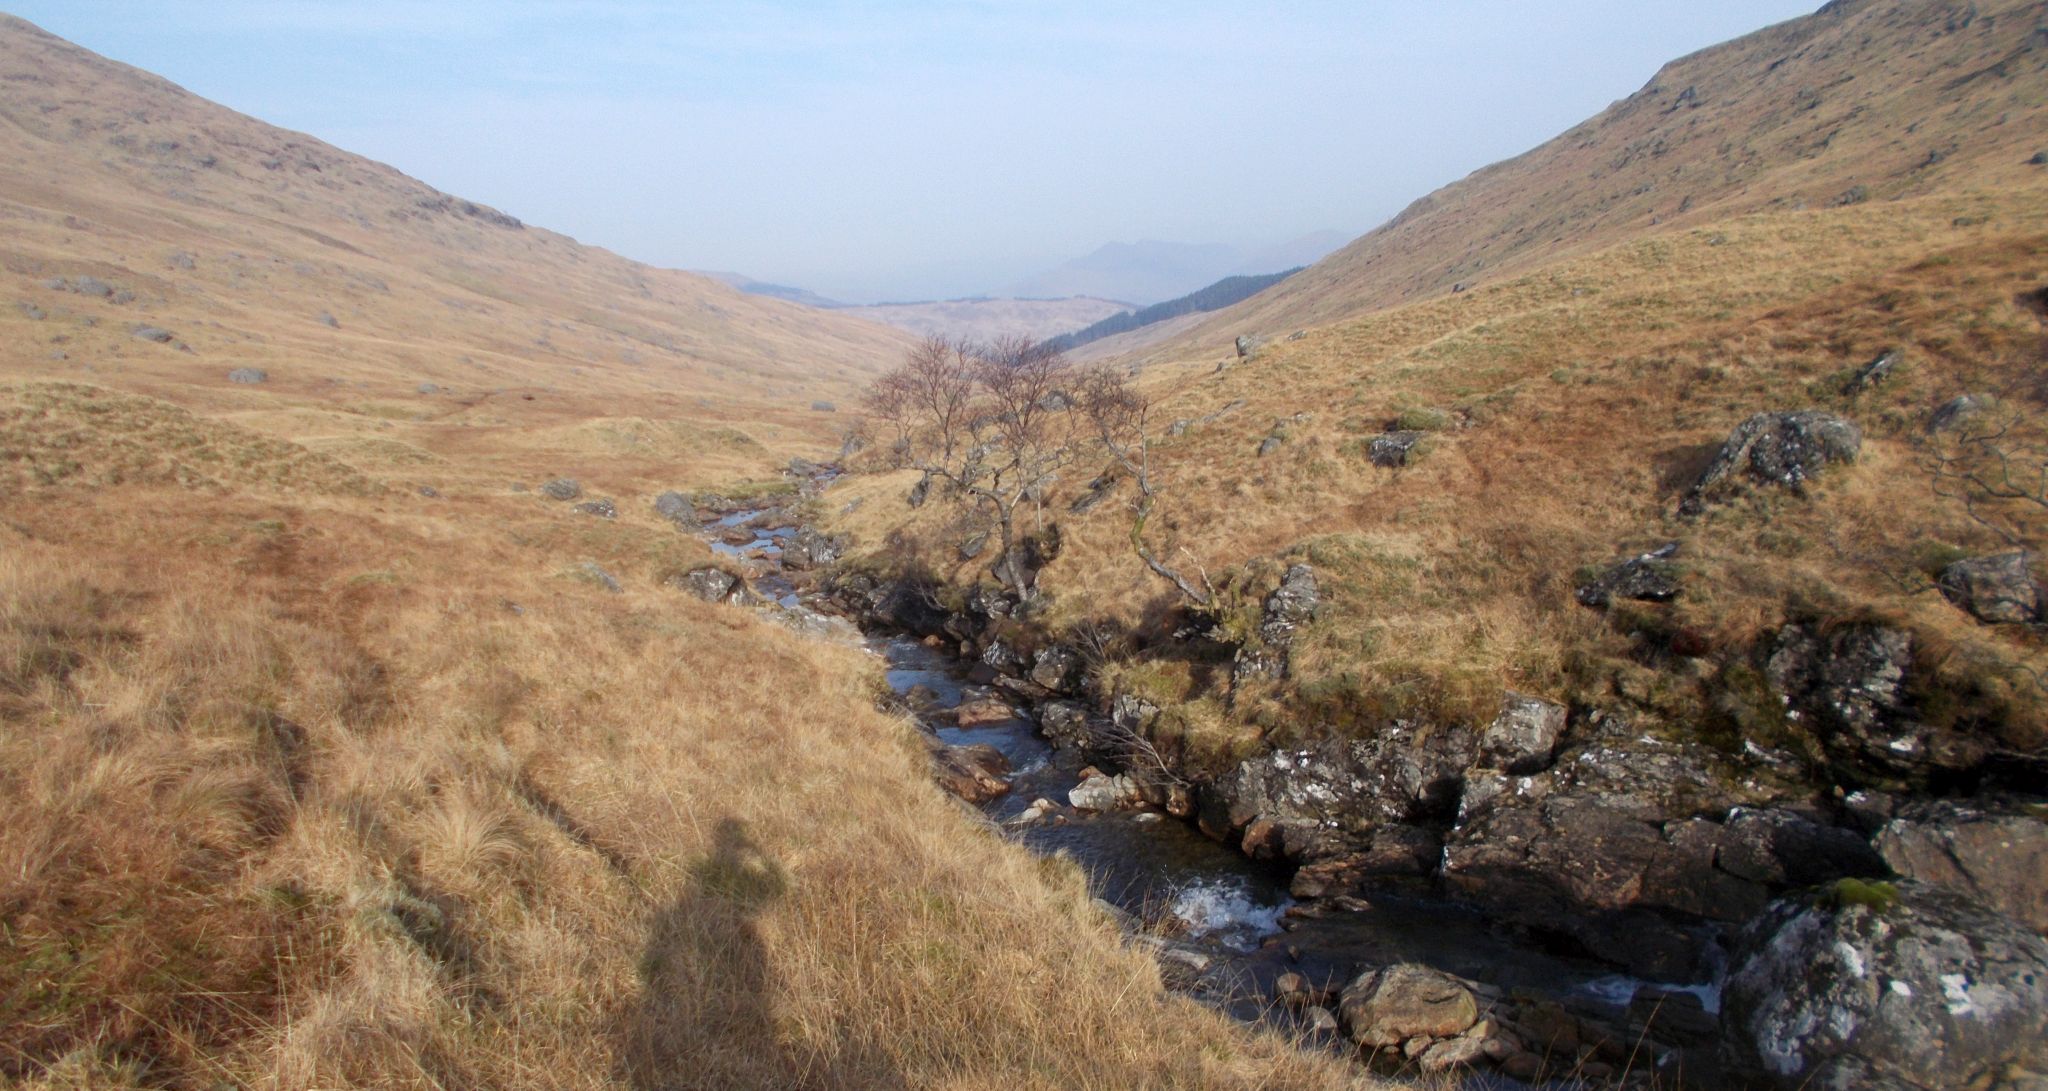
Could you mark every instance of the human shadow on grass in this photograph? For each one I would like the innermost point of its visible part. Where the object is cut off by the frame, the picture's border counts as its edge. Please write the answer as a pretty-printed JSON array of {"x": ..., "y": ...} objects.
[{"x": 706, "y": 1017}]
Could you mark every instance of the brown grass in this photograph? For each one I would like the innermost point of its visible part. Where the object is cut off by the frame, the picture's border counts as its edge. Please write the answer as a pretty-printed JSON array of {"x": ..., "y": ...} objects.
[{"x": 268, "y": 823}]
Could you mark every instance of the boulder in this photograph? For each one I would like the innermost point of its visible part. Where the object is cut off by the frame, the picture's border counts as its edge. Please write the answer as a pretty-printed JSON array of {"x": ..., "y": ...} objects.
[
  {"x": 1384, "y": 1008},
  {"x": 153, "y": 333},
  {"x": 428, "y": 388},
  {"x": 1876, "y": 372},
  {"x": 602, "y": 507},
  {"x": 1524, "y": 736},
  {"x": 562, "y": 488},
  {"x": 1781, "y": 450},
  {"x": 592, "y": 572},
  {"x": 1958, "y": 411},
  {"x": 249, "y": 375},
  {"x": 1246, "y": 345},
  {"x": 1782, "y": 848},
  {"x": 1287, "y": 609},
  {"x": 974, "y": 773},
  {"x": 973, "y": 545},
  {"x": 919, "y": 492},
  {"x": 1997, "y": 856},
  {"x": 329, "y": 320},
  {"x": 1058, "y": 668},
  {"x": 1393, "y": 449},
  {"x": 1903, "y": 985},
  {"x": 1097, "y": 491},
  {"x": 983, "y": 712},
  {"x": 92, "y": 286},
  {"x": 1326, "y": 800},
  {"x": 824, "y": 407},
  {"x": 808, "y": 548},
  {"x": 709, "y": 584},
  {"x": 1999, "y": 589},
  {"x": 1270, "y": 444},
  {"x": 1849, "y": 686},
  {"x": 1066, "y": 724},
  {"x": 677, "y": 508},
  {"x": 1649, "y": 577},
  {"x": 1103, "y": 793}
]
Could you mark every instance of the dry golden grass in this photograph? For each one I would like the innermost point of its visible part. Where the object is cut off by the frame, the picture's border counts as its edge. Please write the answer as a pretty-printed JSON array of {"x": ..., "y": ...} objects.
[
  {"x": 1572, "y": 406},
  {"x": 313, "y": 791}
]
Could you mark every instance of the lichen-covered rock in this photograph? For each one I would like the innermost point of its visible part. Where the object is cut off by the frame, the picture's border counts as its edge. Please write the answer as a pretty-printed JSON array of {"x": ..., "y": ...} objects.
[
  {"x": 1287, "y": 609},
  {"x": 1104, "y": 793},
  {"x": 1393, "y": 449},
  {"x": 602, "y": 507},
  {"x": 1651, "y": 577},
  {"x": 1247, "y": 344},
  {"x": 1325, "y": 801},
  {"x": 1066, "y": 724},
  {"x": 1999, "y": 589},
  {"x": 709, "y": 584},
  {"x": 1849, "y": 686},
  {"x": 1862, "y": 985},
  {"x": 562, "y": 488},
  {"x": 1999, "y": 857},
  {"x": 1524, "y": 736},
  {"x": 1058, "y": 668},
  {"x": 1782, "y": 450},
  {"x": 808, "y": 548},
  {"x": 1383, "y": 1008}
]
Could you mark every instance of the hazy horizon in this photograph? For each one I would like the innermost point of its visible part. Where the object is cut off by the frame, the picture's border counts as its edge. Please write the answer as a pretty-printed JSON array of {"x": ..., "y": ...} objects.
[{"x": 914, "y": 151}]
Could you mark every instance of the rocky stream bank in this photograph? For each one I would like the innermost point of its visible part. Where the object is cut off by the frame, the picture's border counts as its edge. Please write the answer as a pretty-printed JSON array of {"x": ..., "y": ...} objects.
[{"x": 1553, "y": 895}]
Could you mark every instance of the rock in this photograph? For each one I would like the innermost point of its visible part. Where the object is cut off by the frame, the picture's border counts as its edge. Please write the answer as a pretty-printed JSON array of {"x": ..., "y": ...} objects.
[
  {"x": 1058, "y": 668},
  {"x": 1958, "y": 411},
  {"x": 709, "y": 584},
  {"x": 1103, "y": 793},
  {"x": 602, "y": 507},
  {"x": 676, "y": 508},
  {"x": 816, "y": 625},
  {"x": 1291, "y": 990},
  {"x": 1246, "y": 345},
  {"x": 329, "y": 320},
  {"x": 824, "y": 407},
  {"x": 1524, "y": 736},
  {"x": 591, "y": 572},
  {"x": 2038, "y": 159},
  {"x": 1066, "y": 724},
  {"x": 562, "y": 488},
  {"x": 974, "y": 773},
  {"x": 1393, "y": 448},
  {"x": 1453, "y": 1053},
  {"x": 1882, "y": 985},
  {"x": 1998, "y": 589},
  {"x": 919, "y": 491},
  {"x": 1998, "y": 857},
  {"x": 181, "y": 260},
  {"x": 1780, "y": 848},
  {"x": 1875, "y": 372},
  {"x": 92, "y": 286},
  {"x": 33, "y": 312},
  {"x": 1392, "y": 852},
  {"x": 807, "y": 549},
  {"x": 1328, "y": 799},
  {"x": 1179, "y": 427},
  {"x": 428, "y": 388},
  {"x": 1783, "y": 450},
  {"x": 1270, "y": 444},
  {"x": 972, "y": 547},
  {"x": 1650, "y": 577},
  {"x": 1408, "y": 1000},
  {"x": 248, "y": 375},
  {"x": 153, "y": 333},
  {"x": 1287, "y": 609},
  {"x": 983, "y": 712},
  {"x": 1522, "y": 1065},
  {"x": 430, "y": 492},
  {"x": 1849, "y": 687},
  {"x": 1097, "y": 491},
  {"x": 1319, "y": 1021}
]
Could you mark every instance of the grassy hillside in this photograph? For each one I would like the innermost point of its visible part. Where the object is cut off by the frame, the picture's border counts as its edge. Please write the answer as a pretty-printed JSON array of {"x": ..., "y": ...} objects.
[
  {"x": 376, "y": 304},
  {"x": 1865, "y": 100}
]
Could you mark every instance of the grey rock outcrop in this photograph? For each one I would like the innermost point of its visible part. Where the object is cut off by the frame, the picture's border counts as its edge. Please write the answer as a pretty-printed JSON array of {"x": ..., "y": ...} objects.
[
  {"x": 153, "y": 333},
  {"x": 1650, "y": 577},
  {"x": 1781, "y": 450},
  {"x": 1862, "y": 985},
  {"x": 1393, "y": 449},
  {"x": 562, "y": 488},
  {"x": 250, "y": 375},
  {"x": 709, "y": 584},
  {"x": 1524, "y": 736},
  {"x": 1247, "y": 344},
  {"x": 1290, "y": 606},
  {"x": 1850, "y": 687},
  {"x": 808, "y": 548},
  {"x": 1997, "y": 856},
  {"x": 1998, "y": 589}
]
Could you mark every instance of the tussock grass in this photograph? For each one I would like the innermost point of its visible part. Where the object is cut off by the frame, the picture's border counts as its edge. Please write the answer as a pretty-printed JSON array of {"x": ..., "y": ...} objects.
[{"x": 269, "y": 825}]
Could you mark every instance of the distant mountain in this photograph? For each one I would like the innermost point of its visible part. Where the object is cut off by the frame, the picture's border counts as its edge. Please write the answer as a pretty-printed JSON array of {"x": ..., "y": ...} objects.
[
  {"x": 751, "y": 286},
  {"x": 980, "y": 319},
  {"x": 1150, "y": 271},
  {"x": 1215, "y": 297}
]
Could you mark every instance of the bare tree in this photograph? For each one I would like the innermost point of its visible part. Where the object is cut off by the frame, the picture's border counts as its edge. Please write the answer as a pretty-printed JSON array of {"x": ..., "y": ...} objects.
[
  {"x": 993, "y": 422},
  {"x": 1120, "y": 414}
]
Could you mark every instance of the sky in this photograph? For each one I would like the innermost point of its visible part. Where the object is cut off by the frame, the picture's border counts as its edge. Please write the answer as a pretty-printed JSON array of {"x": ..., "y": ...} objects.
[{"x": 905, "y": 150}]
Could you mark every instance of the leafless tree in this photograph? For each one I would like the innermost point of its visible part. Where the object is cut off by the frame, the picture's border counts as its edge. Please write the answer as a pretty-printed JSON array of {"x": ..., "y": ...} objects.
[
  {"x": 1998, "y": 473},
  {"x": 1120, "y": 414},
  {"x": 992, "y": 422}
]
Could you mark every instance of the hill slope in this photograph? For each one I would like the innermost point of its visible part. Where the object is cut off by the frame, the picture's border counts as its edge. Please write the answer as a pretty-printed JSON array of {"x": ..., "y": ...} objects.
[
  {"x": 344, "y": 279},
  {"x": 1863, "y": 100}
]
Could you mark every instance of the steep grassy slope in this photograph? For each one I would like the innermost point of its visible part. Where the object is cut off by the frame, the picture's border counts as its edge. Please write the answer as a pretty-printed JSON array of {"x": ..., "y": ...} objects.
[
  {"x": 1863, "y": 100},
  {"x": 366, "y": 295}
]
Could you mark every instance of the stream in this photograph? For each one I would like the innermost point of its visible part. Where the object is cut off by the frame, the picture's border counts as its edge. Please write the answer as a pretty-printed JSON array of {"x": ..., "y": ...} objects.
[{"x": 1226, "y": 926}]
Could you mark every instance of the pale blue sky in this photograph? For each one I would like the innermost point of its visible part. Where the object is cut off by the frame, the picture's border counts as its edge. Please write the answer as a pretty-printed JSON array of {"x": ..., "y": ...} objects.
[{"x": 906, "y": 149}]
